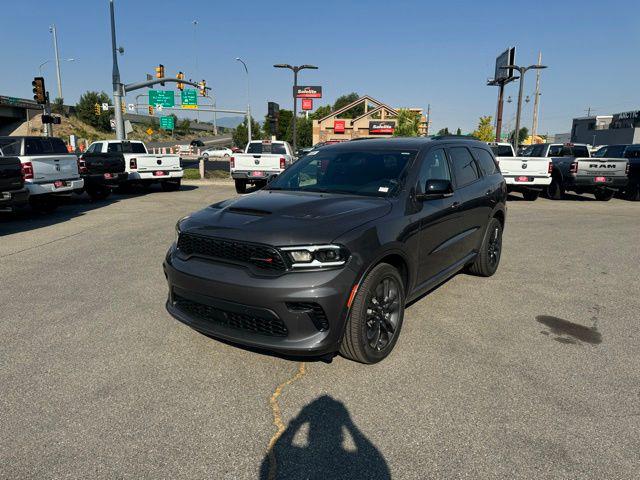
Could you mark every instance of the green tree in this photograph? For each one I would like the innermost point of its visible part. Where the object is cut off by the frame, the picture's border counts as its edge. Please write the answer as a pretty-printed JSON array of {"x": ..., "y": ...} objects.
[
  {"x": 484, "y": 132},
  {"x": 344, "y": 100},
  {"x": 57, "y": 106},
  {"x": 524, "y": 133},
  {"x": 320, "y": 112},
  {"x": 304, "y": 130},
  {"x": 443, "y": 131},
  {"x": 458, "y": 131},
  {"x": 407, "y": 124},
  {"x": 240, "y": 135},
  {"x": 85, "y": 110}
]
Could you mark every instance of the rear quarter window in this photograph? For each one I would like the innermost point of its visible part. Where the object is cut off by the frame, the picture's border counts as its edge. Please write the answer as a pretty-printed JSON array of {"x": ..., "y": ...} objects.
[{"x": 485, "y": 159}]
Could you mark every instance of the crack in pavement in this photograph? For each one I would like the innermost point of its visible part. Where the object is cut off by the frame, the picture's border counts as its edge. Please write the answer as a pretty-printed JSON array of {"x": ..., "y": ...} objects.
[
  {"x": 277, "y": 418},
  {"x": 43, "y": 244}
]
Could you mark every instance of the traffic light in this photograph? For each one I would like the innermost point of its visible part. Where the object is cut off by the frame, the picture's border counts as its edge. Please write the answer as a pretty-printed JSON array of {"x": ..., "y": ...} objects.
[
  {"x": 39, "y": 94},
  {"x": 203, "y": 88},
  {"x": 273, "y": 115},
  {"x": 122, "y": 107},
  {"x": 160, "y": 73},
  {"x": 150, "y": 109},
  {"x": 180, "y": 76},
  {"x": 97, "y": 109}
]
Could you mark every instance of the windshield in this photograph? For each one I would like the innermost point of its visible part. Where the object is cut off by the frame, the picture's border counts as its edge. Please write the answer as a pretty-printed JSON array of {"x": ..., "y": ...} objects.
[
  {"x": 502, "y": 150},
  {"x": 362, "y": 172},
  {"x": 267, "y": 147}
]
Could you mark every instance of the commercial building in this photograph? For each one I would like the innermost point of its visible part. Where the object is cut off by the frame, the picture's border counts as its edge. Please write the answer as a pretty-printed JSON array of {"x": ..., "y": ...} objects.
[
  {"x": 621, "y": 127},
  {"x": 365, "y": 117}
]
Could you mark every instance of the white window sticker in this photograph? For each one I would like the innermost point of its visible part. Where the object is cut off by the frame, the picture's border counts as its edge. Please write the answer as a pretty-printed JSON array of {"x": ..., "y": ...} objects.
[
  {"x": 383, "y": 189},
  {"x": 313, "y": 152}
]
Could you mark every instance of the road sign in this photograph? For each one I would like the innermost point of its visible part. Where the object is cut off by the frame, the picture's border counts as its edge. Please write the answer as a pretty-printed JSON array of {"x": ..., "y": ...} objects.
[
  {"x": 167, "y": 123},
  {"x": 149, "y": 131},
  {"x": 131, "y": 107},
  {"x": 161, "y": 97},
  {"x": 105, "y": 107},
  {"x": 190, "y": 98}
]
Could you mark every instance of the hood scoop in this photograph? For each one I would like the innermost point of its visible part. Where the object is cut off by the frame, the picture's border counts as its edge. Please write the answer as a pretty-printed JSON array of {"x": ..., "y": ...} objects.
[{"x": 248, "y": 211}]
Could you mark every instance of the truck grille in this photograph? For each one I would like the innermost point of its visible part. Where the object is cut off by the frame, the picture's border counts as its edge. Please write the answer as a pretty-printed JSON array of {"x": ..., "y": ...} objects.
[
  {"x": 267, "y": 325},
  {"x": 262, "y": 256}
]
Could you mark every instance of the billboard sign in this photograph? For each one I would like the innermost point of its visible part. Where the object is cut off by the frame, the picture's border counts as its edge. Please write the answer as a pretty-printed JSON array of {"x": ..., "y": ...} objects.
[
  {"x": 307, "y": 91},
  {"x": 307, "y": 104},
  {"x": 381, "y": 127},
  {"x": 508, "y": 57},
  {"x": 338, "y": 126}
]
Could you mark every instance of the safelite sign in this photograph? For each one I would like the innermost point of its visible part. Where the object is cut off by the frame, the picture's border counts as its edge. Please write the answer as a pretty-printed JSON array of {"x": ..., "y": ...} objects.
[
  {"x": 338, "y": 126},
  {"x": 307, "y": 92},
  {"x": 381, "y": 127},
  {"x": 307, "y": 104}
]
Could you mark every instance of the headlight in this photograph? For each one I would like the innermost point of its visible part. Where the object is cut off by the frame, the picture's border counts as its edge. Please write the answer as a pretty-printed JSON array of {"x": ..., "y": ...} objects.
[{"x": 316, "y": 256}]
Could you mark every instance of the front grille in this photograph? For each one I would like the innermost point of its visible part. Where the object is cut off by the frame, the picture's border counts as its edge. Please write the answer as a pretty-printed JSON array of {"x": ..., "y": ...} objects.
[
  {"x": 314, "y": 311},
  {"x": 262, "y": 325},
  {"x": 262, "y": 256}
]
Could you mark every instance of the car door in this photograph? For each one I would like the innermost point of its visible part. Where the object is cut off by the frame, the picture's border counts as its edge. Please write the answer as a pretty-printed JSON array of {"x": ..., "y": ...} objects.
[
  {"x": 471, "y": 200},
  {"x": 437, "y": 220}
]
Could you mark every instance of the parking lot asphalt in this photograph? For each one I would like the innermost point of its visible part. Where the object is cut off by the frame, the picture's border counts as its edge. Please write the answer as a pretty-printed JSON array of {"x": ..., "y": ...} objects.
[{"x": 532, "y": 373}]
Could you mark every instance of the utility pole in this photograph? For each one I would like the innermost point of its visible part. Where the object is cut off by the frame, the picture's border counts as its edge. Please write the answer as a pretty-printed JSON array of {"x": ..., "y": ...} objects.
[
  {"x": 117, "y": 85},
  {"x": 428, "y": 119},
  {"x": 248, "y": 100},
  {"x": 536, "y": 101},
  {"x": 53, "y": 30},
  {"x": 588, "y": 110}
]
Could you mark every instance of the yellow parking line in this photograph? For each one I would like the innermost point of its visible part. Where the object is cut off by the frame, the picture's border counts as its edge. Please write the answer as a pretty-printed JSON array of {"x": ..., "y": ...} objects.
[{"x": 277, "y": 418}]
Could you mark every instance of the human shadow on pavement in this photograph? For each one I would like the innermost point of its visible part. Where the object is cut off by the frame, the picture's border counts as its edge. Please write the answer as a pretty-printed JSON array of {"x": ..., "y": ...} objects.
[{"x": 334, "y": 447}]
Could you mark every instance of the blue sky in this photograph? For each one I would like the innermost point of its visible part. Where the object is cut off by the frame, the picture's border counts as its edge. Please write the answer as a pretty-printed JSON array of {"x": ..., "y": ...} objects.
[{"x": 405, "y": 53}]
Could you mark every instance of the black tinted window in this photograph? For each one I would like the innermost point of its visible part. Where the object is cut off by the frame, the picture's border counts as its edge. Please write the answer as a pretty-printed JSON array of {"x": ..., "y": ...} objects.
[
  {"x": 134, "y": 148},
  {"x": 614, "y": 151},
  {"x": 502, "y": 150},
  {"x": 580, "y": 151},
  {"x": 10, "y": 147},
  {"x": 630, "y": 152},
  {"x": 556, "y": 151},
  {"x": 32, "y": 146},
  {"x": 434, "y": 167},
  {"x": 114, "y": 147},
  {"x": 267, "y": 147},
  {"x": 533, "y": 151},
  {"x": 465, "y": 170},
  {"x": 487, "y": 164}
]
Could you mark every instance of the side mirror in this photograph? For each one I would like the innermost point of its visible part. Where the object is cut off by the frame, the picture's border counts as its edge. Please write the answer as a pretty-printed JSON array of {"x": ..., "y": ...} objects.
[{"x": 436, "y": 189}]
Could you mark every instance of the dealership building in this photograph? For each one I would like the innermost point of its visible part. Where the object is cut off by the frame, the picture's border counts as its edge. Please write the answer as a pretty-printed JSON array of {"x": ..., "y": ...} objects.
[
  {"x": 613, "y": 129},
  {"x": 373, "y": 119}
]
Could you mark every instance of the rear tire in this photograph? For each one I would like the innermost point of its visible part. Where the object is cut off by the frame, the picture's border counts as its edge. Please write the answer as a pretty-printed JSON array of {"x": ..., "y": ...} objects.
[
  {"x": 555, "y": 190},
  {"x": 603, "y": 195},
  {"x": 171, "y": 185},
  {"x": 376, "y": 315},
  {"x": 241, "y": 185},
  {"x": 632, "y": 192},
  {"x": 43, "y": 203},
  {"x": 98, "y": 193},
  {"x": 530, "y": 195},
  {"x": 488, "y": 259}
]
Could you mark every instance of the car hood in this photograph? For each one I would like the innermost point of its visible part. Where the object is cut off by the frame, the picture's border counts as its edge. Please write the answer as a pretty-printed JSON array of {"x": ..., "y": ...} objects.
[{"x": 286, "y": 218}]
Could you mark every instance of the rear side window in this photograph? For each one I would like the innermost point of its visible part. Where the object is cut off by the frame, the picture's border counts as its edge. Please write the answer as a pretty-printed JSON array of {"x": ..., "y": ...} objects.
[
  {"x": 465, "y": 170},
  {"x": 486, "y": 161}
]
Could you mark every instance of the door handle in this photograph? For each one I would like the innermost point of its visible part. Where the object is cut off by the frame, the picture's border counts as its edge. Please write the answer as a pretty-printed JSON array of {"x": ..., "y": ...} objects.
[{"x": 455, "y": 204}]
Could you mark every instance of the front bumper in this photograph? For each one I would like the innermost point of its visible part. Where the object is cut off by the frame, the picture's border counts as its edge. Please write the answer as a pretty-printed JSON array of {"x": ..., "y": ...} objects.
[
  {"x": 261, "y": 312},
  {"x": 152, "y": 176},
  {"x": 50, "y": 188},
  {"x": 13, "y": 199}
]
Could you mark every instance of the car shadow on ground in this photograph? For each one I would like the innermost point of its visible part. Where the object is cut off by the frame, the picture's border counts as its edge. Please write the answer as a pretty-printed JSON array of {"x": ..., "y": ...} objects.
[{"x": 322, "y": 442}]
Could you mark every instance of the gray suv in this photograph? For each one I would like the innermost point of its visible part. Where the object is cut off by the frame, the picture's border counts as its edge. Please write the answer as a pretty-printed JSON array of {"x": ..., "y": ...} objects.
[{"x": 326, "y": 256}]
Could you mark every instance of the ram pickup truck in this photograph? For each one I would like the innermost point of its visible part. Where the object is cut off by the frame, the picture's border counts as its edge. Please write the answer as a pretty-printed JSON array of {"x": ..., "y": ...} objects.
[
  {"x": 140, "y": 166},
  {"x": 49, "y": 170},
  {"x": 575, "y": 170},
  {"x": 262, "y": 160},
  {"x": 632, "y": 153},
  {"x": 526, "y": 175},
  {"x": 13, "y": 193},
  {"x": 101, "y": 172}
]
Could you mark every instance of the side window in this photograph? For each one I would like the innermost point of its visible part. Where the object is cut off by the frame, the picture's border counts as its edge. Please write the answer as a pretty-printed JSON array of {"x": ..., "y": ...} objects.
[
  {"x": 465, "y": 170},
  {"x": 485, "y": 159},
  {"x": 434, "y": 167}
]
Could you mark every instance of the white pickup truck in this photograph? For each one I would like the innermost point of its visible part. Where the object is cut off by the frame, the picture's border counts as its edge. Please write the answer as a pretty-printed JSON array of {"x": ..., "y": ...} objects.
[
  {"x": 141, "y": 166},
  {"x": 261, "y": 160},
  {"x": 49, "y": 170},
  {"x": 527, "y": 175}
]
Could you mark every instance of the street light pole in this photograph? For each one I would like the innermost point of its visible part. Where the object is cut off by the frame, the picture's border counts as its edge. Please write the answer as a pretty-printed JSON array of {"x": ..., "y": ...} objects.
[
  {"x": 522, "y": 71},
  {"x": 53, "y": 30},
  {"x": 248, "y": 99},
  {"x": 117, "y": 86},
  {"x": 295, "y": 70}
]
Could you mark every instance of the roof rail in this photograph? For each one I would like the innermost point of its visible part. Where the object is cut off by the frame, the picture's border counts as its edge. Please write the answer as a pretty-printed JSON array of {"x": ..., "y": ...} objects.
[{"x": 457, "y": 137}]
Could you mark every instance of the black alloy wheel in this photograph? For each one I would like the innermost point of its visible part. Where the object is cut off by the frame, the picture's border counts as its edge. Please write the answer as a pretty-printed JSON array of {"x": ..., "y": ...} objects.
[
  {"x": 383, "y": 311},
  {"x": 488, "y": 258}
]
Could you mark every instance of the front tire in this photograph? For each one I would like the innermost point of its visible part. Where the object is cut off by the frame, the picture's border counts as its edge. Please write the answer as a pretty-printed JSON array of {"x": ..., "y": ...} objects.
[
  {"x": 488, "y": 259},
  {"x": 241, "y": 185},
  {"x": 376, "y": 316},
  {"x": 603, "y": 195},
  {"x": 530, "y": 195}
]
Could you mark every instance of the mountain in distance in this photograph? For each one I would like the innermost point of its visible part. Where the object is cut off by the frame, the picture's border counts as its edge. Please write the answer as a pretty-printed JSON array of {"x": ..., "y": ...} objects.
[{"x": 230, "y": 122}]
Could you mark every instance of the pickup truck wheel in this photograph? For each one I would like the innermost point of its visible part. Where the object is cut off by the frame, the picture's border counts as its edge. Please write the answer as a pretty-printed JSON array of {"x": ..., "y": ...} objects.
[
  {"x": 603, "y": 195},
  {"x": 488, "y": 259},
  {"x": 531, "y": 195},
  {"x": 171, "y": 186},
  {"x": 98, "y": 193},
  {"x": 43, "y": 203},
  {"x": 555, "y": 190},
  {"x": 241, "y": 186},
  {"x": 375, "y": 320},
  {"x": 632, "y": 192}
]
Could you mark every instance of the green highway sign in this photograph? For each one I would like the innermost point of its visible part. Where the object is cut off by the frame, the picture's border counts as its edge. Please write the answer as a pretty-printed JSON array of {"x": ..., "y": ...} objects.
[
  {"x": 167, "y": 123},
  {"x": 190, "y": 98},
  {"x": 161, "y": 97}
]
